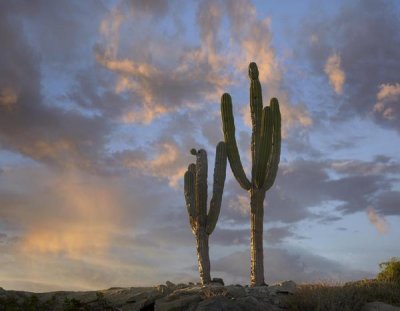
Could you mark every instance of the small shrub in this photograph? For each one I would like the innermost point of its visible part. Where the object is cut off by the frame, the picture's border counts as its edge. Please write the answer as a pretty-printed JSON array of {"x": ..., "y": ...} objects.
[
  {"x": 349, "y": 297},
  {"x": 390, "y": 271},
  {"x": 31, "y": 303},
  {"x": 73, "y": 305},
  {"x": 28, "y": 303},
  {"x": 9, "y": 304}
]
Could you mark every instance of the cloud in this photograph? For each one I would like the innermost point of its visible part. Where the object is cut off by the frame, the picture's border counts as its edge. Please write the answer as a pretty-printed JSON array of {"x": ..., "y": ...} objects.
[
  {"x": 335, "y": 73},
  {"x": 159, "y": 84},
  {"x": 168, "y": 163},
  {"x": 76, "y": 228},
  {"x": 276, "y": 235},
  {"x": 240, "y": 203},
  {"x": 364, "y": 34},
  {"x": 380, "y": 165},
  {"x": 254, "y": 37},
  {"x": 8, "y": 98},
  {"x": 387, "y": 202},
  {"x": 377, "y": 220},
  {"x": 76, "y": 216},
  {"x": 303, "y": 184},
  {"x": 169, "y": 80},
  {"x": 388, "y": 99},
  {"x": 156, "y": 8},
  {"x": 28, "y": 123},
  {"x": 110, "y": 30},
  {"x": 281, "y": 264}
]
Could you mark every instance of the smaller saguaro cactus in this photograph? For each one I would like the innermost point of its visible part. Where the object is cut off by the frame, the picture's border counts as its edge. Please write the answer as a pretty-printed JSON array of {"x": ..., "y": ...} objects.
[{"x": 203, "y": 224}]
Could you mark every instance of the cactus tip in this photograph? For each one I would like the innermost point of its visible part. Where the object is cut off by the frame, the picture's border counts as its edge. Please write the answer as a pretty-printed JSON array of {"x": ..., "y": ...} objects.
[
  {"x": 253, "y": 71},
  {"x": 225, "y": 97},
  {"x": 274, "y": 101},
  {"x": 193, "y": 151}
]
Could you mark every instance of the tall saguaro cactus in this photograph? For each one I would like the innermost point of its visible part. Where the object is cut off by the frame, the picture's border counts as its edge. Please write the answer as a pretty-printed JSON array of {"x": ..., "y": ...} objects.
[
  {"x": 265, "y": 154},
  {"x": 203, "y": 224}
]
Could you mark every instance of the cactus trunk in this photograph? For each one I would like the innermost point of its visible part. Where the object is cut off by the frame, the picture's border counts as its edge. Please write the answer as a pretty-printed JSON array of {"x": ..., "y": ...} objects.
[
  {"x": 203, "y": 256},
  {"x": 256, "y": 237}
]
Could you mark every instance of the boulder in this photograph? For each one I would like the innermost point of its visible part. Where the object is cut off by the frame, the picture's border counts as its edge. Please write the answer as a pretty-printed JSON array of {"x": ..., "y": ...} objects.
[
  {"x": 214, "y": 291},
  {"x": 177, "y": 303},
  {"x": 221, "y": 303},
  {"x": 218, "y": 280},
  {"x": 163, "y": 289},
  {"x": 218, "y": 304},
  {"x": 143, "y": 299},
  {"x": 235, "y": 291},
  {"x": 287, "y": 287}
]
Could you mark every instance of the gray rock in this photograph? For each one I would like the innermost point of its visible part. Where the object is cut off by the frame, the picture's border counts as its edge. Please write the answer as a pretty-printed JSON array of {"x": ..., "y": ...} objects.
[
  {"x": 211, "y": 291},
  {"x": 188, "y": 291},
  {"x": 235, "y": 291},
  {"x": 287, "y": 287},
  {"x": 177, "y": 303},
  {"x": 251, "y": 303},
  {"x": 143, "y": 299},
  {"x": 171, "y": 297},
  {"x": 218, "y": 280},
  {"x": 218, "y": 304},
  {"x": 379, "y": 306},
  {"x": 228, "y": 304},
  {"x": 163, "y": 289},
  {"x": 258, "y": 291}
]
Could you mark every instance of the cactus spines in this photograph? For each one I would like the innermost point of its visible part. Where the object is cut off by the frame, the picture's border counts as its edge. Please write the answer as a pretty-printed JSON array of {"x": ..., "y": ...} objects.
[
  {"x": 195, "y": 190},
  {"x": 265, "y": 154}
]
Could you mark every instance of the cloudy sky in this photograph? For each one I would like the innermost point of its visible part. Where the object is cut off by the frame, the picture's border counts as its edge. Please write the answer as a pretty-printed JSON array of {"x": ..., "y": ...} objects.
[{"x": 101, "y": 101}]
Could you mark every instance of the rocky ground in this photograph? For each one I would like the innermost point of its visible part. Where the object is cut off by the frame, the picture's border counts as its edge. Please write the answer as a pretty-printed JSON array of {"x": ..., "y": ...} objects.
[{"x": 168, "y": 297}]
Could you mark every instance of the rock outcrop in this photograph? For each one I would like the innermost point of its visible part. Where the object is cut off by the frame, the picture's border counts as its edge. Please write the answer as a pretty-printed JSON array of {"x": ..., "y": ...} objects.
[
  {"x": 168, "y": 297},
  {"x": 165, "y": 297}
]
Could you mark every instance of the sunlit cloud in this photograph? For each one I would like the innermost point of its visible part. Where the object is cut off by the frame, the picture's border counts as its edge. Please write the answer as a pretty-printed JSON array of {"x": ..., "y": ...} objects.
[
  {"x": 335, "y": 73},
  {"x": 82, "y": 222},
  {"x": 388, "y": 100},
  {"x": 241, "y": 204},
  {"x": 377, "y": 220},
  {"x": 292, "y": 115},
  {"x": 110, "y": 29},
  {"x": 8, "y": 98},
  {"x": 168, "y": 163},
  {"x": 254, "y": 37}
]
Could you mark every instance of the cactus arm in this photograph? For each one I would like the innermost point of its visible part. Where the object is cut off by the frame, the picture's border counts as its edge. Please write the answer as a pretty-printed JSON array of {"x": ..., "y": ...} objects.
[
  {"x": 264, "y": 151},
  {"x": 192, "y": 168},
  {"x": 256, "y": 106},
  {"x": 189, "y": 193},
  {"x": 189, "y": 180},
  {"x": 218, "y": 187},
  {"x": 273, "y": 163},
  {"x": 228, "y": 125},
  {"x": 201, "y": 186}
]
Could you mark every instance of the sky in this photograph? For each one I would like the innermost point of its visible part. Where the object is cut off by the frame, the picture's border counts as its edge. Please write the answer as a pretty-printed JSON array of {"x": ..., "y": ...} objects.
[{"x": 101, "y": 102}]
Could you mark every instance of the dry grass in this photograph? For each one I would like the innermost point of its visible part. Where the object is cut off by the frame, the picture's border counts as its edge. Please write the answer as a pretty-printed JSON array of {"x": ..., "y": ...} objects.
[{"x": 347, "y": 297}]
